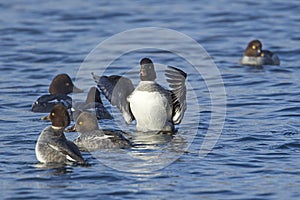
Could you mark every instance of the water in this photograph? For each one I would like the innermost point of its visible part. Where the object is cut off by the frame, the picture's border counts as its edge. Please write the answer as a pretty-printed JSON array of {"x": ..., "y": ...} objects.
[{"x": 257, "y": 154}]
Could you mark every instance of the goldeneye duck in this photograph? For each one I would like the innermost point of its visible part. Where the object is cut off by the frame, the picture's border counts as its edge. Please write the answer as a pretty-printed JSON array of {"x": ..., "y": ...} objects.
[
  {"x": 254, "y": 55},
  {"x": 59, "y": 89},
  {"x": 93, "y": 103},
  {"x": 92, "y": 138},
  {"x": 52, "y": 145},
  {"x": 153, "y": 107}
]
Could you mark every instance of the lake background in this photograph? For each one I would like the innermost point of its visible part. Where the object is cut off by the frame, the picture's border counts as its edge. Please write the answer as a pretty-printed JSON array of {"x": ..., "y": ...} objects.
[{"x": 257, "y": 154}]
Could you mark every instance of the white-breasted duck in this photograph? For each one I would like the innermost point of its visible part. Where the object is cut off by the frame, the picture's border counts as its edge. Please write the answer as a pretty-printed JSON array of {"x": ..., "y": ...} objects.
[
  {"x": 152, "y": 106},
  {"x": 256, "y": 56}
]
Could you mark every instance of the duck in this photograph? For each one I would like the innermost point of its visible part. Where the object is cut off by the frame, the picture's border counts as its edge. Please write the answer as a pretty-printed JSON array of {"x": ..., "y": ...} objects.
[
  {"x": 256, "y": 56},
  {"x": 92, "y": 138},
  {"x": 59, "y": 89},
  {"x": 93, "y": 103},
  {"x": 153, "y": 107},
  {"x": 52, "y": 145}
]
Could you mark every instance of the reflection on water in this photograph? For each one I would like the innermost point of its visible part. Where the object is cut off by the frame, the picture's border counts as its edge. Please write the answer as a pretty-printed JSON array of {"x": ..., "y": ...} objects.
[
  {"x": 151, "y": 152},
  {"x": 54, "y": 168}
]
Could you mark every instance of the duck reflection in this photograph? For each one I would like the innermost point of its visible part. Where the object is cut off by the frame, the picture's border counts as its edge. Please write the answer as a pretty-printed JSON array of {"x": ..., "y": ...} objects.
[{"x": 151, "y": 151}]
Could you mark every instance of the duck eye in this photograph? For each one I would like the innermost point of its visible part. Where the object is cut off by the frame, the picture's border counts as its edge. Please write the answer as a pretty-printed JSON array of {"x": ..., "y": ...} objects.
[
  {"x": 52, "y": 114},
  {"x": 253, "y": 47},
  {"x": 80, "y": 123},
  {"x": 67, "y": 84}
]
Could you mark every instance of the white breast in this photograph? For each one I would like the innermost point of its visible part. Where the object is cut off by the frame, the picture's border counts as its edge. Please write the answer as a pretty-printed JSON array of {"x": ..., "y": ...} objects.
[
  {"x": 248, "y": 60},
  {"x": 150, "y": 109}
]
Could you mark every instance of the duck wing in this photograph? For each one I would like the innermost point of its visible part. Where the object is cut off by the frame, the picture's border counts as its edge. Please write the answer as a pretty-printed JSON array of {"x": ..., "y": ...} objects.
[
  {"x": 69, "y": 149},
  {"x": 116, "y": 89},
  {"x": 176, "y": 79},
  {"x": 45, "y": 103},
  {"x": 117, "y": 137}
]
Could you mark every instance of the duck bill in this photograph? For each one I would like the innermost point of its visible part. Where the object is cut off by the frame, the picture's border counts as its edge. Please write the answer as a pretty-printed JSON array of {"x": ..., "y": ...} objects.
[
  {"x": 143, "y": 73},
  {"x": 71, "y": 129},
  {"x": 46, "y": 118},
  {"x": 77, "y": 90}
]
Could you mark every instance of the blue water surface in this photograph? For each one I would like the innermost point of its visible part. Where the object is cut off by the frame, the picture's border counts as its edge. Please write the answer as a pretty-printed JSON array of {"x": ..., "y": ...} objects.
[{"x": 257, "y": 155}]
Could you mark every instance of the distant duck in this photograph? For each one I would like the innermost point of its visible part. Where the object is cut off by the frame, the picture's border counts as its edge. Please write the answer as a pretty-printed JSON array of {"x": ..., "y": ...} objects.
[
  {"x": 59, "y": 89},
  {"x": 153, "y": 107},
  {"x": 254, "y": 55},
  {"x": 92, "y": 138},
  {"x": 93, "y": 103},
  {"x": 52, "y": 145}
]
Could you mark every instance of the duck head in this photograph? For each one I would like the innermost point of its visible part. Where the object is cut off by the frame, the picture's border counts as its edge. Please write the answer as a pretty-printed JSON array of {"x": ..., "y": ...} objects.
[
  {"x": 147, "y": 71},
  {"x": 93, "y": 96},
  {"x": 86, "y": 122},
  {"x": 62, "y": 84},
  {"x": 253, "y": 49},
  {"x": 58, "y": 116}
]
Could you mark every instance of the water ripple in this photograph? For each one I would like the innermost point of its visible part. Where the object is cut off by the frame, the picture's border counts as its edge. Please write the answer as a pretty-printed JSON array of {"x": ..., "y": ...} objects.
[{"x": 256, "y": 156}]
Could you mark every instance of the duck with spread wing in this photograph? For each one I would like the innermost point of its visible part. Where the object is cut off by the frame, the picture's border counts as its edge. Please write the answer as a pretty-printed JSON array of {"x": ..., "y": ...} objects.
[{"x": 152, "y": 106}]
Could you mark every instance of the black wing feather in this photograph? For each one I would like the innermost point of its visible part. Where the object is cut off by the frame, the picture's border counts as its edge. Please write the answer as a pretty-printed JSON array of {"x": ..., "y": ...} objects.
[
  {"x": 116, "y": 89},
  {"x": 176, "y": 79}
]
